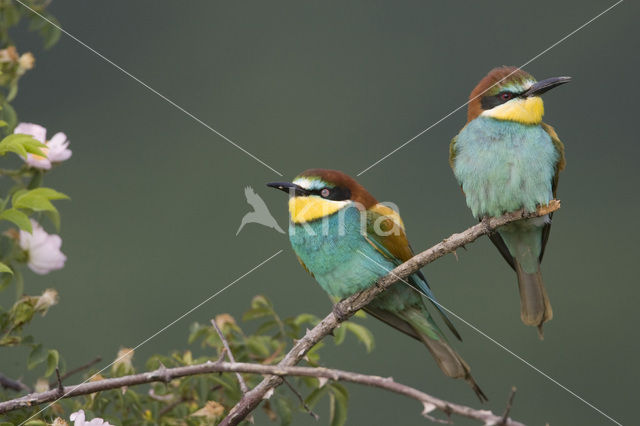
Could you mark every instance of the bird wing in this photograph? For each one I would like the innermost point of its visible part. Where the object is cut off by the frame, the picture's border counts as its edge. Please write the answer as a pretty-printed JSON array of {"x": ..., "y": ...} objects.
[
  {"x": 385, "y": 232},
  {"x": 392, "y": 320},
  {"x": 452, "y": 151},
  {"x": 560, "y": 165},
  {"x": 305, "y": 266}
]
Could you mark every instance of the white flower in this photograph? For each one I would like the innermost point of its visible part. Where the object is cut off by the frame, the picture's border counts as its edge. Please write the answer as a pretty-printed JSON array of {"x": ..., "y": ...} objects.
[
  {"x": 56, "y": 151},
  {"x": 43, "y": 250},
  {"x": 78, "y": 420}
]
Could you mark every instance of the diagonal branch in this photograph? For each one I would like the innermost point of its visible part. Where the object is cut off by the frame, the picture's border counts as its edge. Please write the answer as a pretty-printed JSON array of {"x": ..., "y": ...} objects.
[
  {"x": 342, "y": 312},
  {"x": 164, "y": 374},
  {"x": 16, "y": 385},
  {"x": 349, "y": 306},
  {"x": 243, "y": 385}
]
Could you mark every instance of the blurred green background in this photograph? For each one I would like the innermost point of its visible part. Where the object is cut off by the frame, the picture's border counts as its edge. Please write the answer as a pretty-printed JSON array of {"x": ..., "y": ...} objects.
[{"x": 157, "y": 198}]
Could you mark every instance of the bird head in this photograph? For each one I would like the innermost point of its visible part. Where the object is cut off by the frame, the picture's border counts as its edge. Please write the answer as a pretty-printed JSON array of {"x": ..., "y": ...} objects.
[
  {"x": 511, "y": 94},
  {"x": 318, "y": 193}
]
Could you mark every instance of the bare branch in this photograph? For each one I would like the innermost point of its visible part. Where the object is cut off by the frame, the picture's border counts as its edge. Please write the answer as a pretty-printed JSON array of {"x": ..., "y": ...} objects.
[
  {"x": 243, "y": 385},
  {"x": 164, "y": 374},
  {"x": 16, "y": 385},
  {"x": 342, "y": 311},
  {"x": 301, "y": 399},
  {"x": 349, "y": 306},
  {"x": 505, "y": 416},
  {"x": 60, "y": 387}
]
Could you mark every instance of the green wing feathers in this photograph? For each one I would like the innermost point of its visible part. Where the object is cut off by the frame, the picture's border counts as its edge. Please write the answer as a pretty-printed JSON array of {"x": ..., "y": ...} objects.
[
  {"x": 448, "y": 360},
  {"x": 452, "y": 152}
]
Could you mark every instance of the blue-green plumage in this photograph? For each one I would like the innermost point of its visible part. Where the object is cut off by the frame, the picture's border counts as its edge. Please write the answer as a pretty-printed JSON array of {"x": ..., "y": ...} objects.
[
  {"x": 507, "y": 159},
  {"x": 331, "y": 248},
  {"x": 347, "y": 250},
  {"x": 344, "y": 262},
  {"x": 504, "y": 166}
]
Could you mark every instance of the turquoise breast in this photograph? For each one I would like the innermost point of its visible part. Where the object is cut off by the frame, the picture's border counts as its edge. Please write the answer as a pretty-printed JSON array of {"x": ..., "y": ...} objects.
[
  {"x": 504, "y": 166},
  {"x": 334, "y": 249}
]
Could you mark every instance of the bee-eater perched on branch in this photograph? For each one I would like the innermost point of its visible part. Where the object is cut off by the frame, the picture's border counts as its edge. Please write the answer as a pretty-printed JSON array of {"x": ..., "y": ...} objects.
[
  {"x": 347, "y": 240},
  {"x": 505, "y": 159}
]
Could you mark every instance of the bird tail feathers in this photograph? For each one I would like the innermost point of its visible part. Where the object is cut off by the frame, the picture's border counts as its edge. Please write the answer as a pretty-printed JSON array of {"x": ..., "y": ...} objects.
[{"x": 535, "y": 308}]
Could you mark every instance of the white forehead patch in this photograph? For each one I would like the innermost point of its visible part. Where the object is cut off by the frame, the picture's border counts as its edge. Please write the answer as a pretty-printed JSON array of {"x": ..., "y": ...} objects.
[
  {"x": 518, "y": 87},
  {"x": 307, "y": 183}
]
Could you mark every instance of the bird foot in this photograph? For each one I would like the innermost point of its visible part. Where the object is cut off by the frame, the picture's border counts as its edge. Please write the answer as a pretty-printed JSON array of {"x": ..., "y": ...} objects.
[
  {"x": 485, "y": 223},
  {"x": 340, "y": 314}
]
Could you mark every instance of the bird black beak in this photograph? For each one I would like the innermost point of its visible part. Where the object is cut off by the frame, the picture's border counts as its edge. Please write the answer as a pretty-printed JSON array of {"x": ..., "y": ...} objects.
[
  {"x": 545, "y": 85},
  {"x": 291, "y": 188}
]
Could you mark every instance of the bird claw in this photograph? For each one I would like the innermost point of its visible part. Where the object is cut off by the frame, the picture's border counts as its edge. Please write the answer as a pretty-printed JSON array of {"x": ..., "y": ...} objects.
[{"x": 340, "y": 314}]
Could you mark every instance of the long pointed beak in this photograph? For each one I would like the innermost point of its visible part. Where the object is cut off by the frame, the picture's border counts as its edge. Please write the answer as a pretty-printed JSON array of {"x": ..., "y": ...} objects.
[
  {"x": 545, "y": 85},
  {"x": 290, "y": 188}
]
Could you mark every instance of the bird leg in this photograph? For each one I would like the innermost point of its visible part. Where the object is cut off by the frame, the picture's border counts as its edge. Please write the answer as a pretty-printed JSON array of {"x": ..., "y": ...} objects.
[{"x": 340, "y": 314}]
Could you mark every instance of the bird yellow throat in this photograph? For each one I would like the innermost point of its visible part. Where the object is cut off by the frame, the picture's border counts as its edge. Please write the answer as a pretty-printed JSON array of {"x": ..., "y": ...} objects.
[
  {"x": 306, "y": 209},
  {"x": 525, "y": 111}
]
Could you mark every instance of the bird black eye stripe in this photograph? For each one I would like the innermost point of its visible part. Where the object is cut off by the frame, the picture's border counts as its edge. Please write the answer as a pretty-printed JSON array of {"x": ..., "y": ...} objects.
[
  {"x": 337, "y": 193},
  {"x": 493, "y": 101}
]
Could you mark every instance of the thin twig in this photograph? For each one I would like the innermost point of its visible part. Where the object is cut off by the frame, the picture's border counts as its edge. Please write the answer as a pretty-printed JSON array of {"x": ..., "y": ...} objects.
[
  {"x": 344, "y": 309},
  {"x": 164, "y": 374},
  {"x": 13, "y": 384},
  {"x": 304, "y": 404},
  {"x": 243, "y": 386},
  {"x": 507, "y": 410},
  {"x": 76, "y": 370},
  {"x": 60, "y": 387}
]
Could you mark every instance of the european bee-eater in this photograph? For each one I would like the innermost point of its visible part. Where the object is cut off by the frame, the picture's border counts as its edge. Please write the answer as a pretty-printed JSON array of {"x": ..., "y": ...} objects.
[
  {"x": 505, "y": 158},
  {"x": 347, "y": 240}
]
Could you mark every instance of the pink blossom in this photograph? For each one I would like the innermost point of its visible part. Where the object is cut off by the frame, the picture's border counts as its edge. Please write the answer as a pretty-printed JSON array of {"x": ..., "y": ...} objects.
[
  {"x": 43, "y": 249},
  {"x": 78, "y": 420},
  {"x": 56, "y": 151}
]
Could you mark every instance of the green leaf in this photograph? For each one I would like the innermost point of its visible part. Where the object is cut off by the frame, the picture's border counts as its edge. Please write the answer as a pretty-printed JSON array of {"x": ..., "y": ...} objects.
[
  {"x": 52, "y": 362},
  {"x": 315, "y": 396},
  {"x": 37, "y": 356},
  {"x": 306, "y": 319},
  {"x": 48, "y": 193},
  {"x": 197, "y": 331},
  {"x": 19, "y": 283},
  {"x": 8, "y": 115},
  {"x": 360, "y": 314},
  {"x": 260, "y": 301},
  {"x": 258, "y": 345},
  {"x": 266, "y": 326},
  {"x": 362, "y": 333},
  {"x": 13, "y": 90},
  {"x": 50, "y": 33},
  {"x": 21, "y": 312},
  {"x": 18, "y": 218},
  {"x": 283, "y": 408},
  {"x": 3, "y": 124},
  {"x": 21, "y": 144},
  {"x": 5, "y": 281},
  {"x": 338, "y": 405},
  {"x": 39, "y": 200},
  {"x": 339, "y": 334},
  {"x": 255, "y": 313},
  {"x": 5, "y": 268}
]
